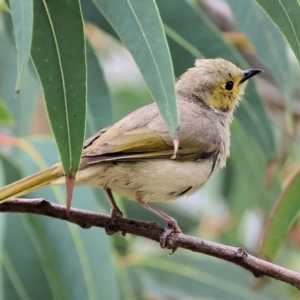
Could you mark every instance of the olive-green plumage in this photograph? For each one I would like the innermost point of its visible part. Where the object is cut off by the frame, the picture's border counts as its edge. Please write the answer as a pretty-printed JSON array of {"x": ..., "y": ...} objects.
[{"x": 133, "y": 156}]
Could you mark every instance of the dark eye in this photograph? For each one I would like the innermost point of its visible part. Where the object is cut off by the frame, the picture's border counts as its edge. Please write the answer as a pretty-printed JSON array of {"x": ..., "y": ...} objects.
[{"x": 229, "y": 85}]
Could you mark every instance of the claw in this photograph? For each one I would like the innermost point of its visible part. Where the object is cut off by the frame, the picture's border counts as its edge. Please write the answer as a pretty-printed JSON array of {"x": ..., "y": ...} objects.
[
  {"x": 172, "y": 228},
  {"x": 115, "y": 214}
]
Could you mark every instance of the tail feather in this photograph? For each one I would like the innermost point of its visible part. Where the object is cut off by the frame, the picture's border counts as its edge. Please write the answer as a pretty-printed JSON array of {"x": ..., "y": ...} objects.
[{"x": 30, "y": 183}]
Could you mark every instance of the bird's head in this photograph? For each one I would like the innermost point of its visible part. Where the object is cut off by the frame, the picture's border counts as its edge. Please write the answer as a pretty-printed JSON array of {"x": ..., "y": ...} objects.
[{"x": 216, "y": 82}]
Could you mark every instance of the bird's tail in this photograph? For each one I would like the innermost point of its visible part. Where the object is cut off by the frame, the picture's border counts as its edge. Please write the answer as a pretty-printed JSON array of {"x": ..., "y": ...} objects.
[{"x": 30, "y": 183}]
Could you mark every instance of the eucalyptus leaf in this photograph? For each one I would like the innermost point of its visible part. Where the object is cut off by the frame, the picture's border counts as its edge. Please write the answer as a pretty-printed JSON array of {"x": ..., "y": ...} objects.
[
  {"x": 199, "y": 277},
  {"x": 144, "y": 37},
  {"x": 281, "y": 219},
  {"x": 58, "y": 260},
  {"x": 22, "y": 16},
  {"x": 21, "y": 108},
  {"x": 269, "y": 44},
  {"x": 208, "y": 41},
  {"x": 285, "y": 15},
  {"x": 58, "y": 54},
  {"x": 99, "y": 103}
]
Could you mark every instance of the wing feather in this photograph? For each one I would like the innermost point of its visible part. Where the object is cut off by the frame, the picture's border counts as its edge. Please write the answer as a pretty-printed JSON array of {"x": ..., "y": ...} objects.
[{"x": 147, "y": 137}]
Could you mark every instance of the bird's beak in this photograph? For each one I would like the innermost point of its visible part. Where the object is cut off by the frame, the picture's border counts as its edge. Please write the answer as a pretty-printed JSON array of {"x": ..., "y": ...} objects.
[{"x": 249, "y": 73}]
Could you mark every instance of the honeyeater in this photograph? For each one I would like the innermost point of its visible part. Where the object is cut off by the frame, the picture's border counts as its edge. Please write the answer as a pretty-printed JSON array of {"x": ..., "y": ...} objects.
[{"x": 134, "y": 157}]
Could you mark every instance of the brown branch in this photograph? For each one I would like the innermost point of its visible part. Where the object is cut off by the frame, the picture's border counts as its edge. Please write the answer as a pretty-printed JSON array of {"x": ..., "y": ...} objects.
[{"x": 87, "y": 219}]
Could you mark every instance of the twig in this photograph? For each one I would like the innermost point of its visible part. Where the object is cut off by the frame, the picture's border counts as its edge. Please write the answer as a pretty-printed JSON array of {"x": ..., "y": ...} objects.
[{"x": 87, "y": 219}]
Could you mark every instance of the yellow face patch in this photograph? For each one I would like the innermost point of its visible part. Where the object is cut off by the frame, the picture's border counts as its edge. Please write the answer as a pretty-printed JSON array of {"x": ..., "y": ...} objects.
[
  {"x": 215, "y": 82},
  {"x": 227, "y": 96},
  {"x": 226, "y": 91}
]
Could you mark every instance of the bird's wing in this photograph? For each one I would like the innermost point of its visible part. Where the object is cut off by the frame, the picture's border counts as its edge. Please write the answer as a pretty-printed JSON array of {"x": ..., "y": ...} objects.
[
  {"x": 144, "y": 135},
  {"x": 94, "y": 137},
  {"x": 142, "y": 143}
]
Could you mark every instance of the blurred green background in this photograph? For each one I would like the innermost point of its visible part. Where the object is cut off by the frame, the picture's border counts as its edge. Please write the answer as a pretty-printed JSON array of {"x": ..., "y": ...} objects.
[{"x": 43, "y": 258}]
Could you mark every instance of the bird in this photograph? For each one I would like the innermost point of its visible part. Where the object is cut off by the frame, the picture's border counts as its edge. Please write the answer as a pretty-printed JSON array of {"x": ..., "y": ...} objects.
[{"x": 135, "y": 156}]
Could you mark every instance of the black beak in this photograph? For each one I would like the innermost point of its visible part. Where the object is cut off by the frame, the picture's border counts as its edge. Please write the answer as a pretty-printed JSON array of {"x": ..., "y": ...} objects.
[{"x": 249, "y": 73}]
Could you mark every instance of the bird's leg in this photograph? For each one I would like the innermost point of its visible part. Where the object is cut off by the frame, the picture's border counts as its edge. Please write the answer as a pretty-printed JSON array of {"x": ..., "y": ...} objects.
[
  {"x": 115, "y": 212},
  {"x": 172, "y": 226}
]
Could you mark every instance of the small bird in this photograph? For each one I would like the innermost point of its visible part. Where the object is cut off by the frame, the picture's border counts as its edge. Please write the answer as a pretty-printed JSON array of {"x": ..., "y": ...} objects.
[{"x": 134, "y": 157}]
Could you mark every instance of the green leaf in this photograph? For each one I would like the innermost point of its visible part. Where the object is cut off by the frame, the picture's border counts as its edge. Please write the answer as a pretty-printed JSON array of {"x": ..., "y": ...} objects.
[
  {"x": 182, "y": 47},
  {"x": 99, "y": 106},
  {"x": 5, "y": 116},
  {"x": 285, "y": 14},
  {"x": 186, "y": 45},
  {"x": 16, "y": 277},
  {"x": 269, "y": 43},
  {"x": 93, "y": 15},
  {"x": 281, "y": 218},
  {"x": 22, "y": 107},
  {"x": 199, "y": 277},
  {"x": 208, "y": 40},
  {"x": 22, "y": 16},
  {"x": 236, "y": 179},
  {"x": 131, "y": 286},
  {"x": 11, "y": 172},
  {"x": 58, "y": 54},
  {"x": 65, "y": 261},
  {"x": 143, "y": 36},
  {"x": 9, "y": 274}
]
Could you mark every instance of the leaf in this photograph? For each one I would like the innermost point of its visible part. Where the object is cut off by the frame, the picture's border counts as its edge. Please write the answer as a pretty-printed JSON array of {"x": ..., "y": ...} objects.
[
  {"x": 269, "y": 43},
  {"x": 58, "y": 54},
  {"x": 285, "y": 14},
  {"x": 245, "y": 169},
  {"x": 99, "y": 106},
  {"x": 244, "y": 187},
  {"x": 5, "y": 116},
  {"x": 131, "y": 286},
  {"x": 180, "y": 47},
  {"x": 186, "y": 45},
  {"x": 281, "y": 218},
  {"x": 198, "y": 277},
  {"x": 143, "y": 36},
  {"x": 11, "y": 171},
  {"x": 21, "y": 108},
  {"x": 93, "y": 15},
  {"x": 22, "y": 16},
  {"x": 208, "y": 40},
  {"x": 80, "y": 267}
]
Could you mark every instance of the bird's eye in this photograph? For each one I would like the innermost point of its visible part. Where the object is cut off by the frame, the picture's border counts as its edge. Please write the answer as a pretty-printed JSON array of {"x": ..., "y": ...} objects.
[{"x": 229, "y": 85}]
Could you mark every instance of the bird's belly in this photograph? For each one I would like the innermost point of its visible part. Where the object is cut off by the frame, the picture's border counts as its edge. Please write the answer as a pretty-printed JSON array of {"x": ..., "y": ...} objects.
[{"x": 149, "y": 180}]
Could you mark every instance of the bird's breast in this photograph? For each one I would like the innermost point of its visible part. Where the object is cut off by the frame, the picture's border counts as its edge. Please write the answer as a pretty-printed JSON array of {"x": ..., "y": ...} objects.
[{"x": 152, "y": 180}]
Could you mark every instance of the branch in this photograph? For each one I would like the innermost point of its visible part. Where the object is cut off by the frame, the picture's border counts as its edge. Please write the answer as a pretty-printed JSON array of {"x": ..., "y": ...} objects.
[{"x": 87, "y": 219}]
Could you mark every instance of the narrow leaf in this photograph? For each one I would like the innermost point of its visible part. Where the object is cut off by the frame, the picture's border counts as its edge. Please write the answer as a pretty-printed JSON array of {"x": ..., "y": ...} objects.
[
  {"x": 143, "y": 35},
  {"x": 11, "y": 171},
  {"x": 281, "y": 218},
  {"x": 86, "y": 255},
  {"x": 199, "y": 275},
  {"x": 22, "y": 108},
  {"x": 186, "y": 45},
  {"x": 269, "y": 44},
  {"x": 208, "y": 40},
  {"x": 99, "y": 106},
  {"x": 22, "y": 16},
  {"x": 285, "y": 14},
  {"x": 58, "y": 53}
]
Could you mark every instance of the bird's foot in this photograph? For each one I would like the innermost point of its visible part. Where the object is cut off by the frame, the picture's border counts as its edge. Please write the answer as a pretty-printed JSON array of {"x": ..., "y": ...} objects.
[
  {"x": 115, "y": 215},
  {"x": 172, "y": 228}
]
